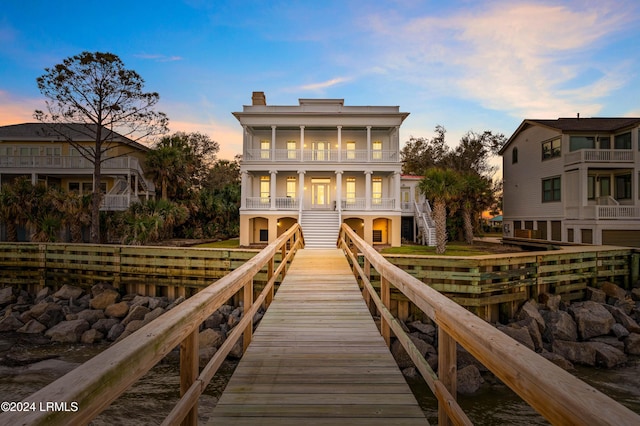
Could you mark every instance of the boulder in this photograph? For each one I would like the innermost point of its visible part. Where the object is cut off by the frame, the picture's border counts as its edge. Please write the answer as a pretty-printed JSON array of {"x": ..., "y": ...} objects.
[
  {"x": 91, "y": 336},
  {"x": 157, "y": 302},
  {"x": 520, "y": 335},
  {"x": 32, "y": 327},
  {"x": 423, "y": 328},
  {"x": 530, "y": 310},
  {"x": 105, "y": 324},
  {"x": 402, "y": 357},
  {"x": 596, "y": 295},
  {"x": 608, "y": 356},
  {"x": 576, "y": 352},
  {"x": 613, "y": 290},
  {"x": 10, "y": 323},
  {"x": 51, "y": 315},
  {"x": 140, "y": 301},
  {"x": 468, "y": 380},
  {"x": 43, "y": 294},
  {"x": 136, "y": 313},
  {"x": 99, "y": 288},
  {"x": 623, "y": 319},
  {"x": 91, "y": 315},
  {"x": 68, "y": 331},
  {"x": 237, "y": 350},
  {"x": 7, "y": 296},
  {"x": 619, "y": 331},
  {"x": 214, "y": 320},
  {"x": 464, "y": 358},
  {"x": 610, "y": 340},
  {"x": 410, "y": 372},
  {"x": 627, "y": 305},
  {"x": 104, "y": 299},
  {"x": 153, "y": 315},
  {"x": 67, "y": 292},
  {"x": 117, "y": 310},
  {"x": 209, "y": 338},
  {"x": 175, "y": 303},
  {"x": 558, "y": 360},
  {"x": 632, "y": 344},
  {"x": 592, "y": 319},
  {"x": 635, "y": 293},
  {"x": 550, "y": 302},
  {"x": 560, "y": 326},
  {"x": 133, "y": 326},
  {"x": 115, "y": 332}
]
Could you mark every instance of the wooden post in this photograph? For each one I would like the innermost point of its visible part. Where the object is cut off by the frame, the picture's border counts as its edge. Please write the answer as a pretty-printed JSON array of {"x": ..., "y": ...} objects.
[
  {"x": 635, "y": 268},
  {"x": 447, "y": 371},
  {"x": 385, "y": 296},
  {"x": 270, "y": 268},
  {"x": 248, "y": 301},
  {"x": 189, "y": 372}
]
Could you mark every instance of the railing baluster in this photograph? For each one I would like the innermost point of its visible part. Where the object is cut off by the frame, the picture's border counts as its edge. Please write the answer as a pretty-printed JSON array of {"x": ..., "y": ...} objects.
[
  {"x": 447, "y": 371},
  {"x": 189, "y": 372}
]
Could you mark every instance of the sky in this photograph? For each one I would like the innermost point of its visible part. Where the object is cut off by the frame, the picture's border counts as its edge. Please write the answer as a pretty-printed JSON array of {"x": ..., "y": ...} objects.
[{"x": 466, "y": 65}]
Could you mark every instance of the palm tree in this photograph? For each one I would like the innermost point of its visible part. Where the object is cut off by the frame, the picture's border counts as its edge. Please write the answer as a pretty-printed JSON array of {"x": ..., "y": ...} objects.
[
  {"x": 9, "y": 211},
  {"x": 442, "y": 186},
  {"x": 475, "y": 196}
]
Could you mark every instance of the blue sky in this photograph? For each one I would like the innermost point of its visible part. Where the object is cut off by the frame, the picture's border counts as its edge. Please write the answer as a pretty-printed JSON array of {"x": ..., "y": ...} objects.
[{"x": 465, "y": 65}]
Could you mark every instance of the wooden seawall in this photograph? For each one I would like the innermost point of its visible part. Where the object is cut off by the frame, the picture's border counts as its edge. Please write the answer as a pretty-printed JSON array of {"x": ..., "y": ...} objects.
[{"x": 317, "y": 357}]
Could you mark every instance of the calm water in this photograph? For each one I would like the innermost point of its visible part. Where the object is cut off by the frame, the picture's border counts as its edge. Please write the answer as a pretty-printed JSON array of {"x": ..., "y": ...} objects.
[{"x": 151, "y": 399}]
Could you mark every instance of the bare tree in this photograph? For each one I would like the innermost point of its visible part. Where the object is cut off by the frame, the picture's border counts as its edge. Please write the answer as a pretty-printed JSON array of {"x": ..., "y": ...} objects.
[{"x": 95, "y": 95}]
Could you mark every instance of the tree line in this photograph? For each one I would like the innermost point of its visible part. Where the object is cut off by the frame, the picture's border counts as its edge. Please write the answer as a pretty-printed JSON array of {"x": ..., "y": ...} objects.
[{"x": 458, "y": 182}]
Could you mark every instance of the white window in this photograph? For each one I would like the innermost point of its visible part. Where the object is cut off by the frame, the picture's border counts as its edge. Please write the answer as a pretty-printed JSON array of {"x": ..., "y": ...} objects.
[
  {"x": 265, "y": 189},
  {"x": 351, "y": 150},
  {"x": 351, "y": 190},
  {"x": 291, "y": 187},
  {"x": 265, "y": 149},
  {"x": 377, "y": 150}
]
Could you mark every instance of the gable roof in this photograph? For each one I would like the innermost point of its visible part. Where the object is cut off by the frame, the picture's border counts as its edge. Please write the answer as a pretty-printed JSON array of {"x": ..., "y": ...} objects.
[
  {"x": 575, "y": 125},
  {"x": 76, "y": 132}
]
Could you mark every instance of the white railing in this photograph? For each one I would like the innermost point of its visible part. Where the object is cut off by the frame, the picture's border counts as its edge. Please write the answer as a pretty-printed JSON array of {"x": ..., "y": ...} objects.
[
  {"x": 600, "y": 155},
  {"x": 258, "y": 202},
  {"x": 425, "y": 223},
  {"x": 66, "y": 162},
  {"x": 117, "y": 202},
  {"x": 353, "y": 204},
  {"x": 315, "y": 155},
  {"x": 617, "y": 212},
  {"x": 383, "y": 203},
  {"x": 287, "y": 203}
]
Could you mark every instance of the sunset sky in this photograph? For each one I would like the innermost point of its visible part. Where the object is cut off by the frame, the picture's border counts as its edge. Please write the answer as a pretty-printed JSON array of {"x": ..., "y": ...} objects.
[{"x": 465, "y": 65}]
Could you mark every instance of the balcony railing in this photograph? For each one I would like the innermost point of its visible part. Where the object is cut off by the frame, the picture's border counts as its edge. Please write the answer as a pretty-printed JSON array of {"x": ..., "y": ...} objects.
[
  {"x": 282, "y": 203},
  {"x": 600, "y": 156},
  {"x": 353, "y": 204},
  {"x": 320, "y": 155},
  {"x": 617, "y": 212},
  {"x": 361, "y": 203},
  {"x": 65, "y": 162}
]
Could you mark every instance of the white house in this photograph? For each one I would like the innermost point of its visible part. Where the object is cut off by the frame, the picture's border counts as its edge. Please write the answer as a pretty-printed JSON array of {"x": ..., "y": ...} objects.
[
  {"x": 574, "y": 180},
  {"x": 321, "y": 163}
]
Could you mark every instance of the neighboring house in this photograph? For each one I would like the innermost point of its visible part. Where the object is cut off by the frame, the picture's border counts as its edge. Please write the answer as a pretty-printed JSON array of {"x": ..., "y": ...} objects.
[
  {"x": 320, "y": 164},
  {"x": 573, "y": 180},
  {"x": 31, "y": 150}
]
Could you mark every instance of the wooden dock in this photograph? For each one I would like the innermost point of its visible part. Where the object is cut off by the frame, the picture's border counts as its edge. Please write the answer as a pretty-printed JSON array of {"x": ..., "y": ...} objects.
[{"x": 317, "y": 357}]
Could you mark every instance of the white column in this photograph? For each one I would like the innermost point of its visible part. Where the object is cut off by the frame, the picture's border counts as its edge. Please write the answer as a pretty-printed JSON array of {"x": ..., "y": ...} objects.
[
  {"x": 368, "y": 143},
  {"x": 300, "y": 189},
  {"x": 244, "y": 189},
  {"x": 245, "y": 142},
  {"x": 273, "y": 143},
  {"x": 301, "y": 143},
  {"x": 272, "y": 193},
  {"x": 339, "y": 143},
  {"x": 339, "y": 190},
  {"x": 397, "y": 191},
  {"x": 367, "y": 193}
]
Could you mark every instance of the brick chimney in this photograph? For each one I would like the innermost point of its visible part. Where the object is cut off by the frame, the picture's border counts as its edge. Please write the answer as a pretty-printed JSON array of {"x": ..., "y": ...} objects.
[{"x": 258, "y": 98}]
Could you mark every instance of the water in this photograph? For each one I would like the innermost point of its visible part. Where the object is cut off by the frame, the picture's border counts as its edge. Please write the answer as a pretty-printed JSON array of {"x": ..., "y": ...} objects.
[{"x": 155, "y": 394}]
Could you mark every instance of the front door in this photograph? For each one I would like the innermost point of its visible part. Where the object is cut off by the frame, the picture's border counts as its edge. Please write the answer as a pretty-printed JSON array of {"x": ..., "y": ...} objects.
[{"x": 320, "y": 193}]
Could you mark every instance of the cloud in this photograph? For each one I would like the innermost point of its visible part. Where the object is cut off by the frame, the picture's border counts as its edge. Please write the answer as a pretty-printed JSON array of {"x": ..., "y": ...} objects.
[
  {"x": 529, "y": 59},
  {"x": 323, "y": 85},
  {"x": 159, "y": 58}
]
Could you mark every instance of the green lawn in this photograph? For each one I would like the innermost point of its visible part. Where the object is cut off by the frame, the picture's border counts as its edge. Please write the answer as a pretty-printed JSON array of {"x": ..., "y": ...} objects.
[
  {"x": 233, "y": 243},
  {"x": 454, "y": 248}
]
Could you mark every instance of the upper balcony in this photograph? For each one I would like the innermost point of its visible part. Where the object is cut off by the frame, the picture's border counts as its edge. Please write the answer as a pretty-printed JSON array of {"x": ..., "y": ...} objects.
[
  {"x": 611, "y": 156},
  {"x": 65, "y": 163},
  {"x": 322, "y": 155}
]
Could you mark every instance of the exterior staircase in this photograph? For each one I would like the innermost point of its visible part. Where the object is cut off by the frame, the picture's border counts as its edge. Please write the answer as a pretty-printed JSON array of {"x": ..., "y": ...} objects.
[{"x": 320, "y": 228}]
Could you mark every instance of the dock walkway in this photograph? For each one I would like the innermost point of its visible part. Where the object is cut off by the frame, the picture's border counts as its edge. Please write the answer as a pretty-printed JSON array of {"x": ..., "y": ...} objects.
[{"x": 317, "y": 357}]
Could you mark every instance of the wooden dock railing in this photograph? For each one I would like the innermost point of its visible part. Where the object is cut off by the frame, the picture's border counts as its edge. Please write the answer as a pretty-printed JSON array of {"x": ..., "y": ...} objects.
[
  {"x": 95, "y": 384},
  {"x": 557, "y": 395}
]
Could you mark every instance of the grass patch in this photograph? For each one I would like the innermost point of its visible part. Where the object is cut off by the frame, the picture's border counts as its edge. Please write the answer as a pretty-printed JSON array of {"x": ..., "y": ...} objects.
[
  {"x": 453, "y": 249},
  {"x": 232, "y": 243}
]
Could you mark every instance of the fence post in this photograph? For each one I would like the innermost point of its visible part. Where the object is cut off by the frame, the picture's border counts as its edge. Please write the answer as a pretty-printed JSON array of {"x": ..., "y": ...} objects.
[
  {"x": 189, "y": 372},
  {"x": 385, "y": 296},
  {"x": 447, "y": 371},
  {"x": 248, "y": 301}
]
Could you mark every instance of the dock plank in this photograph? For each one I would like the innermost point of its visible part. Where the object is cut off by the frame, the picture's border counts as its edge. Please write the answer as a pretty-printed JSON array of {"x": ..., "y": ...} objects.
[{"x": 317, "y": 357}]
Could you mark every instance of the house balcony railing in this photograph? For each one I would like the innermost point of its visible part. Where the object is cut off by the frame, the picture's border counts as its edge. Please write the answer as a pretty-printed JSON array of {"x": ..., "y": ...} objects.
[
  {"x": 282, "y": 203},
  {"x": 609, "y": 212},
  {"x": 600, "y": 156},
  {"x": 117, "y": 202},
  {"x": 323, "y": 155},
  {"x": 361, "y": 204},
  {"x": 65, "y": 162}
]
